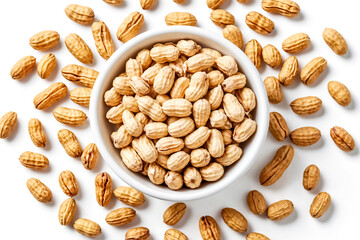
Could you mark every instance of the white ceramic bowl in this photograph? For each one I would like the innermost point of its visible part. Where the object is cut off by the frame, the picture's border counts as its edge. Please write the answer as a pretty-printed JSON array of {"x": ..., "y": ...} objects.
[{"x": 102, "y": 129}]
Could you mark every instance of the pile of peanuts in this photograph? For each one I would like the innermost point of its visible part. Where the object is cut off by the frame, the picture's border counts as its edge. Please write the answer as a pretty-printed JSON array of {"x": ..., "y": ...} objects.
[{"x": 181, "y": 113}]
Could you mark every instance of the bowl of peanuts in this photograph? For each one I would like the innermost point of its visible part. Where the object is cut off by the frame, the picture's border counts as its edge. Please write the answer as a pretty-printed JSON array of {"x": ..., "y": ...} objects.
[{"x": 179, "y": 113}]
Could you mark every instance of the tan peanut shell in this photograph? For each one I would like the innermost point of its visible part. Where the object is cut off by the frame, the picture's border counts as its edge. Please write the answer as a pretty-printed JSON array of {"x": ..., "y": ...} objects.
[
  {"x": 335, "y": 41},
  {"x": 68, "y": 183},
  {"x": 103, "y": 40},
  {"x": 67, "y": 211},
  {"x": 132, "y": 125},
  {"x": 339, "y": 92},
  {"x": 177, "y": 107},
  {"x": 87, "y": 227},
  {"x": 227, "y": 136},
  {"x": 212, "y": 172},
  {"x": 197, "y": 138},
  {"x": 280, "y": 210},
  {"x": 133, "y": 68},
  {"x": 247, "y": 98},
  {"x": 312, "y": 70},
  {"x": 7, "y": 124},
  {"x": 151, "y": 108},
  {"x": 164, "y": 80},
  {"x": 273, "y": 171},
  {"x": 212, "y": 52},
  {"x": 121, "y": 138},
  {"x": 311, "y": 177},
  {"x": 130, "y": 103},
  {"x": 259, "y": 23},
  {"x": 172, "y": 234},
  {"x": 46, "y": 65},
  {"x": 306, "y": 105},
  {"x": 145, "y": 148},
  {"x": 80, "y": 14},
  {"x": 129, "y": 196},
  {"x": 147, "y": 4},
  {"x": 214, "y": 4},
  {"x": 234, "y": 82},
  {"x": 222, "y": 17},
  {"x": 256, "y": 236},
  {"x": 215, "y": 97},
  {"x": 227, "y": 65},
  {"x": 180, "y": 18},
  {"x": 215, "y": 144},
  {"x": 156, "y": 130},
  {"x": 296, "y": 43},
  {"x": 81, "y": 96},
  {"x": 70, "y": 143},
  {"x": 231, "y": 154},
  {"x": 199, "y": 62},
  {"x": 256, "y": 202},
  {"x": 23, "y": 67},
  {"x": 244, "y": 130},
  {"x": 168, "y": 145},
  {"x": 120, "y": 216},
  {"x": 174, "y": 213},
  {"x": 286, "y": 8},
  {"x": 156, "y": 173},
  {"x": 342, "y": 139},
  {"x": 177, "y": 161},
  {"x": 103, "y": 188},
  {"x": 174, "y": 180},
  {"x": 131, "y": 159},
  {"x": 80, "y": 75},
  {"x": 201, "y": 112},
  {"x": 44, "y": 40},
  {"x": 320, "y": 205},
  {"x": 181, "y": 127},
  {"x": 112, "y": 98},
  {"x": 162, "y": 53},
  {"x": 200, "y": 157},
  {"x": 253, "y": 50},
  {"x": 141, "y": 233},
  {"x": 233, "y": 109},
  {"x": 271, "y": 56},
  {"x": 234, "y": 219},
  {"x": 289, "y": 71},
  {"x": 143, "y": 57},
  {"x": 50, "y": 95},
  {"x": 130, "y": 27},
  {"x": 34, "y": 160},
  {"x": 188, "y": 47},
  {"x": 198, "y": 87},
  {"x": 39, "y": 190},
  {"x": 37, "y": 133},
  {"x": 78, "y": 48},
  {"x": 209, "y": 228},
  {"x": 90, "y": 156},
  {"x": 122, "y": 86},
  {"x": 305, "y": 136},
  {"x": 278, "y": 126},
  {"x": 70, "y": 116},
  {"x": 114, "y": 115},
  {"x": 273, "y": 90},
  {"x": 234, "y": 35},
  {"x": 192, "y": 177}
]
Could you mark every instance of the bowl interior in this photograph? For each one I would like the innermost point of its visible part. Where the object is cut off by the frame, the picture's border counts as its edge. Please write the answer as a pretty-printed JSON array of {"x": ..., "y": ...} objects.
[{"x": 102, "y": 129}]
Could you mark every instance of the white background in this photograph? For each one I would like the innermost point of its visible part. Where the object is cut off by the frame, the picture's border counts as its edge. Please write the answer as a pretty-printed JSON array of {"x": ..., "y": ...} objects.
[{"x": 23, "y": 217}]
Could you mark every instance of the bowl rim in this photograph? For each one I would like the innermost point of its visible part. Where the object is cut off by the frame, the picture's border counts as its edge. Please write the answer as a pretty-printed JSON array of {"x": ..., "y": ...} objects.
[{"x": 262, "y": 110}]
